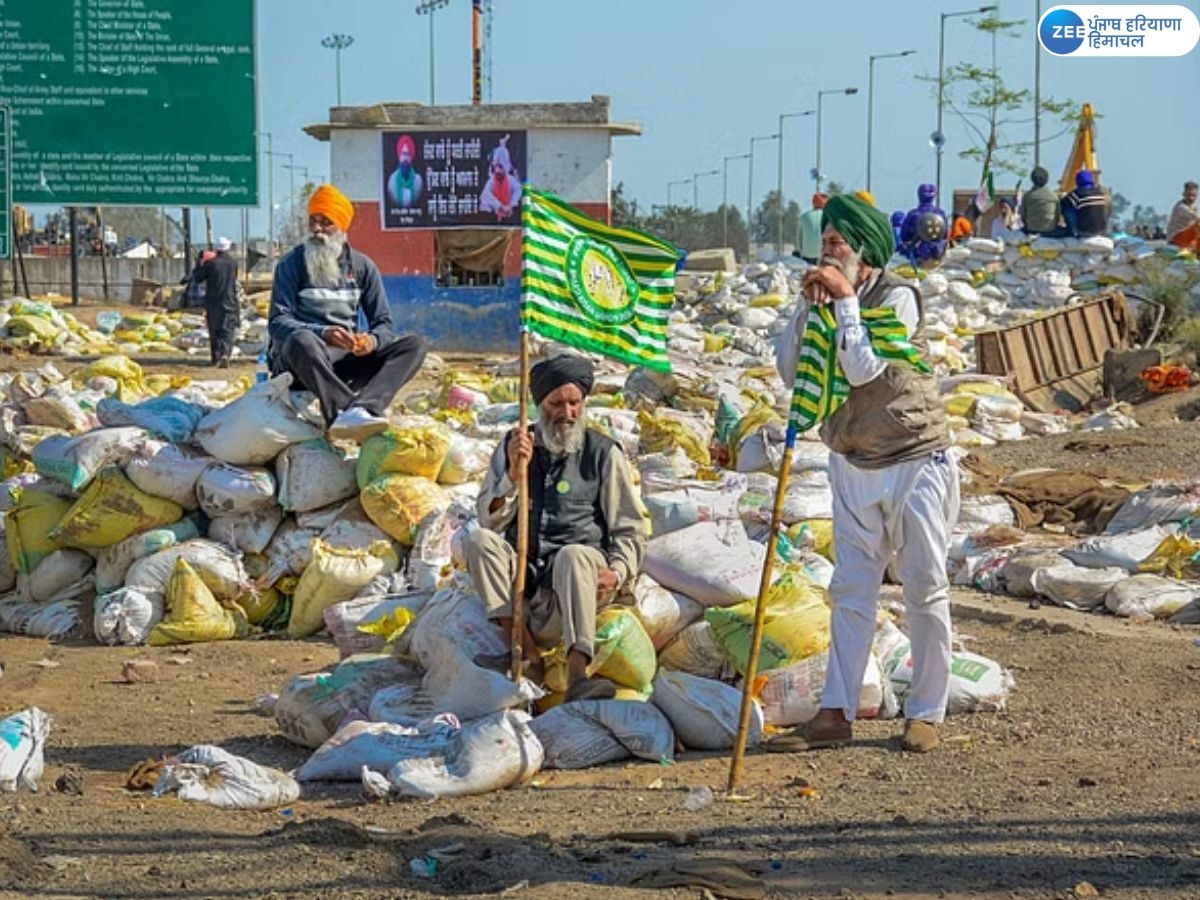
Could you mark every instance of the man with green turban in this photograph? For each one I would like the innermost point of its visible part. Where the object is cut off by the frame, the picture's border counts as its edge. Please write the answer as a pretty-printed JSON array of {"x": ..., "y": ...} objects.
[{"x": 895, "y": 486}]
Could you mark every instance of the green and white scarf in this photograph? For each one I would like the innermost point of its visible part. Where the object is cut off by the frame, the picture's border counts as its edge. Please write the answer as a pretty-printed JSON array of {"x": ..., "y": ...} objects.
[{"x": 821, "y": 386}]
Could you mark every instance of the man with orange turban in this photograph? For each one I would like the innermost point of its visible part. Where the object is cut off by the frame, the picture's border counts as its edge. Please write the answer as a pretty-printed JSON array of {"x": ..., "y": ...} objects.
[{"x": 324, "y": 292}]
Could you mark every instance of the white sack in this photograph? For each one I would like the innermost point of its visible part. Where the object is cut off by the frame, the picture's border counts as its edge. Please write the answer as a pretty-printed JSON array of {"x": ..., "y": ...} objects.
[
  {"x": 312, "y": 475},
  {"x": 249, "y": 532},
  {"x": 229, "y": 490},
  {"x": 703, "y": 712},
  {"x": 253, "y": 429},
  {"x": 376, "y": 745},
  {"x": 729, "y": 575},
  {"x": 1076, "y": 587},
  {"x": 593, "y": 732},
  {"x": 127, "y": 615},
  {"x": 22, "y": 742},
  {"x": 208, "y": 774},
  {"x": 168, "y": 471}
]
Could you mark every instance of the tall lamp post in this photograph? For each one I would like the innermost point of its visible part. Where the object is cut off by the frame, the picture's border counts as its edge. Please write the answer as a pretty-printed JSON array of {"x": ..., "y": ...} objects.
[
  {"x": 750, "y": 188},
  {"x": 671, "y": 184},
  {"x": 337, "y": 43},
  {"x": 938, "y": 137},
  {"x": 1037, "y": 86},
  {"x": 725, "y": 197},
  {"x": 871, "y": 99},
  {"x": 428, "y": 8},
  {"x": 821, "y": 94},
  {"x": 779, "y": 177},
  {"x": 695, "y": 193},
  {"x": 270, "y": 151}
]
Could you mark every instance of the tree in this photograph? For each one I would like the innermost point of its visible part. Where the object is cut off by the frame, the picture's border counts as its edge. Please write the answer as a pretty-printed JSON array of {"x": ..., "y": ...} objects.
[
  {"x": 624, "y": 211},
  {"x": 765, "y": 223},
  {"x": 293, "y": 221},
  {"x": 1120, "y": 203},
  {"x": 988, "y": 107}
]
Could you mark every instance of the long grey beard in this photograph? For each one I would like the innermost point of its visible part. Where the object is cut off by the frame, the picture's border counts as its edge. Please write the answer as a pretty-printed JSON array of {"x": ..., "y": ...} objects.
[
  {"x": 851, "y": 268},
  {"x": 562, "y": 440},
  {"x": 322, "y": 259}
]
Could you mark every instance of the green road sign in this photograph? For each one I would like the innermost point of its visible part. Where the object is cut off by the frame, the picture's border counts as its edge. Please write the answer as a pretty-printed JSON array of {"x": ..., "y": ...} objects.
[
  {"x": 5, "y": 183},
  {"x": 134, "y": 102}
]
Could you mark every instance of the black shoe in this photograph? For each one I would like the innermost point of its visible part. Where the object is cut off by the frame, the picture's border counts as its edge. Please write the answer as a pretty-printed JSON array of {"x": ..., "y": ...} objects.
[
  {"x": 496, "y": 662},
  {"x": 591, "y": 689}
]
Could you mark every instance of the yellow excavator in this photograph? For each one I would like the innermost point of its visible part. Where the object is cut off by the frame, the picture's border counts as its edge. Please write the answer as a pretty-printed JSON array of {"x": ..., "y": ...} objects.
[{"x": 1083, "y": 154}]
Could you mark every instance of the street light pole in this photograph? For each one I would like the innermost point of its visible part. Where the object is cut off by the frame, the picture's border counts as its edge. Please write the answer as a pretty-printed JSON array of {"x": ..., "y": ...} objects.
[
  {"x": 1037, "y": 86},
  {"x": 939, "y": 136},
  {"x": 337, "y": 43},
  {"x": 779, "y": 177},
  {"x": 725, "y": 198},
  {"x": 820, "y": 94},
  {"x": 695, "y": 194},
  {"x": 671, "y": 184},
  {"x": 750, "y": 189},
  {"x": 871, "y": 100},
  {"x": 270, "y": 195},
  {"x": 428, "y": 8}
]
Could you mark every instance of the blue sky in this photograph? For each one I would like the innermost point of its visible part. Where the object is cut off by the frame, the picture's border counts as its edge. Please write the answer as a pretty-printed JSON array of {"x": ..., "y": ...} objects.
[{"x": 702, "y": 77}]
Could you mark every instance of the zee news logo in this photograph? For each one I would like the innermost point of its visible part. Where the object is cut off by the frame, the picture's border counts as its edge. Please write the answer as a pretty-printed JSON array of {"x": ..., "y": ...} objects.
[{"x": 1120, "y": 30}]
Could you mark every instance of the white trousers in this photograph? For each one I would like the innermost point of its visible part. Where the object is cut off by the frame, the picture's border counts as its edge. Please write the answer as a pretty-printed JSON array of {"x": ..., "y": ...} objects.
[{"x": 907, "y": 510}]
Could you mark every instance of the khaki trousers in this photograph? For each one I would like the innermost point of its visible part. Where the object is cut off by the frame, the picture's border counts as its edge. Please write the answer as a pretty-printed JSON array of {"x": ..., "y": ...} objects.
[{"x": 566, "y": 610}]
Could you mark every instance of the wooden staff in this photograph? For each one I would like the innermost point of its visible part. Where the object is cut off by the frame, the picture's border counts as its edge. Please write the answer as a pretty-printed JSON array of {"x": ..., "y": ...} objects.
[
  {"x": 760, "y": 612},
  {"x": 518, "y": 594}
]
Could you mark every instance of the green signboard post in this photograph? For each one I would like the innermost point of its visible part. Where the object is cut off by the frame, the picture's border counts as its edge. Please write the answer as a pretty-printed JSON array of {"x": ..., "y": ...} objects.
[
  {"x": 130, "y": 102},
  {"x": 6, "y": 228}
]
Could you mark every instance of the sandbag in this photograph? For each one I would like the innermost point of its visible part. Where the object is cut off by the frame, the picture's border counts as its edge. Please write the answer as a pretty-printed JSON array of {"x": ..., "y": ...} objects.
[
  {"x": 593, "y": 732},
  {"x": 253, "y": 429},
  {"x": 403, "y": 451},
  {"x": 220, "y": 569},
  {"x": 352, "y": 528},
  {"x": 466, "y": 459},
  {"x": 22, "y": 745},
  {"x": 405, "y": 703},
  {"x": 456, "y": 616},
  {"x": 311, "y": 707},
  {"x": 731, "y": 571},
  {"x": 671, "y": 510},
  {"x": 1016, "y": 574},
  {"x": 486, "y": 755},
  {"x": 59, "y": 409},
  {"x": 792, "y": 695},
  {"x": 695, "y": 651},
  {"x": 208, "y": 774},
  {"x": 246, "y": 532},
  {"x": 193, "y": 615},
  {"x": 703, "y": 712},
  {"x": 623, "y": 652},
  {"x": 662, "y": 613},
  {"x": 110, "y": 510},
  {"x": 112, "y": 563},
  {"x": 796, "y": 625},
  {"x": 1126, "y": 550},
  {"x": 168, "y": 471},
  {"x": 126, "y": 616},
  {"x": 45, "y": 620},
  {"x": 977, "y": 684},
  {"x": 229, "y": 490},
  {"x": 1145, "y": 597},
  {"x": 28, "y": 525},
  {"x": 312, "y": 474},
  {"x": 454, "y": 684},
  {"x": 1153, "y": 506},
  {"x": 983, "y": 511},
  {"x": 1076, "y": 587},
  {"x": 74, "y": 461},
  {"x": 398, "y": 503},
  {"x": 168, "y": 418},
  {"x": 288, "y": 553},
  {"x": 344, "y": 620},
  {"x": 335, "y": 575},
  {"x": 57, "y": 572},
  {"x": 8, "y": 572},
  {"x": 378, "y": 746}
]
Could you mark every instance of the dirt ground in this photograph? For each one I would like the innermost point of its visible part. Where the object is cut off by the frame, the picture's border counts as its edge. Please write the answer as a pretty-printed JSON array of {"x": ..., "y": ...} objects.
[{"x": 1088, "y": 785}]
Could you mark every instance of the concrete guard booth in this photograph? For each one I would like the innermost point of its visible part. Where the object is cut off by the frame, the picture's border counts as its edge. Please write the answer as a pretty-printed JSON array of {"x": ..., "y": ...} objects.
[{"x": 436, "y": 193}]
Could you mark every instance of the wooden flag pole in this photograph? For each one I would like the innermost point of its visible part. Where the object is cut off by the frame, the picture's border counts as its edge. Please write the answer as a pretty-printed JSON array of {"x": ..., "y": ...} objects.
[
  {"x": 760, "y": 612},
  {"x": 518, "y": 595}
]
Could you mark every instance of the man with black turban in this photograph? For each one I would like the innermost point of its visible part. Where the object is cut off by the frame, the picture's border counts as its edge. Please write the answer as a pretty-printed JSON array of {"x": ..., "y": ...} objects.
[
  {"x": 587, "y": 533},
  {"x": 895, "y": 487}
]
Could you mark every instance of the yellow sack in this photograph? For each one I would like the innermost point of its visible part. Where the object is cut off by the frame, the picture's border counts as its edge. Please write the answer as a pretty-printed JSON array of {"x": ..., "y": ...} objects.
[
  {"x": 816, "y": 534},
  {"x": 1174, "y": 556},
  {"x": 110, "y": 510},
  {"x": 796, "y": 625},
  {"x": 959, "y": 405},
  {"x": 755, "y": 418},
  {"x": 28, "y": 526},
  {"x": 131, "y": 386},
  {"x": 42, "y": 330},
  {"x": 767, "y": 301},
  {"x": 258, "y": 605},
  {"x": 398, "y": 503},
  {"x": 334, "y": 575},
  {"x": 403, "y": 451},
  {"x": 624, "y": 653},
  {"x": 663, "y": 435},
  {"x": 193, "y": 614},
  {"x": 715, "y": 343},
  {"x": 390, "y": 626}
]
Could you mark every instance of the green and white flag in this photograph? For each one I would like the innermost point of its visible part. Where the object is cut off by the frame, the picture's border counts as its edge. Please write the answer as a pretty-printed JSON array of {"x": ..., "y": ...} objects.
[
  {"x": 603, "y": 289},
  {"x": 821, "y": 386}
]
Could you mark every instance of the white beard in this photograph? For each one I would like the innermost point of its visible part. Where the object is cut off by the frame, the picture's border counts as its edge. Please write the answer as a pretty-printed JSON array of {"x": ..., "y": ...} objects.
[
  {"x": 562, "y": 440},
  {"x": 851, "y": 268},
  {"x": 322, "y": 259}
]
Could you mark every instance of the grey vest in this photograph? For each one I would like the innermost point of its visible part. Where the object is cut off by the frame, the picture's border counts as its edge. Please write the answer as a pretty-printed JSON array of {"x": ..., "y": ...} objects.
[
  {"x": 564, "y": 503},
  {"x": 894, "y": 418}
]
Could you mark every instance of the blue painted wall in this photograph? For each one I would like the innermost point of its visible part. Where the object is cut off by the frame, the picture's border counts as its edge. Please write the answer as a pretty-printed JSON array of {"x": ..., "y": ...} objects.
[{"x": 465, "y": 319}]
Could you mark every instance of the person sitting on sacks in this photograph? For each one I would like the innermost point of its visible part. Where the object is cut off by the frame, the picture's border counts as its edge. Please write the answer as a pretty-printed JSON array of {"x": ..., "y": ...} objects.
[
  {"x": 587, "y": 534},
  {"x": 322, "y": 288},
  {"x": 895, "y": 486}
]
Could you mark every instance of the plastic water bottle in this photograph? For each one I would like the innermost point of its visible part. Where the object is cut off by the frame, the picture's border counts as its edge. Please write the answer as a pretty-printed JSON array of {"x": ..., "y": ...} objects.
[{"x": 262, "y": 371}]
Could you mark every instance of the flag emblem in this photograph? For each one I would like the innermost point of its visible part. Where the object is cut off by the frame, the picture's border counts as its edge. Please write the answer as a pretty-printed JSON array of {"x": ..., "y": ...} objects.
[{"x": 600, "y": 281}]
